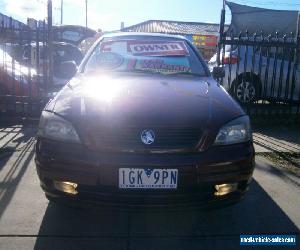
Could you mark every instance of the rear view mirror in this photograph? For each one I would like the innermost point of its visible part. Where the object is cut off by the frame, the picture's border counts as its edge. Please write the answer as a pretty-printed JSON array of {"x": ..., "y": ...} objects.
[
  {"x": 67, "y": 69},
  {"x": 218, "y": 72}
]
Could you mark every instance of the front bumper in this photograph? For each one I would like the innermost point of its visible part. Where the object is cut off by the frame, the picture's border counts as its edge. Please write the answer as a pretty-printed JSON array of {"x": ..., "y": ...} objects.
[{"x": 97, "y": 174}]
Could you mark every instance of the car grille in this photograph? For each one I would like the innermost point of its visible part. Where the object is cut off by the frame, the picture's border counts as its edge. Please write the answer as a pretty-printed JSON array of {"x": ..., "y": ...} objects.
[{"x": 130, "y": 139}]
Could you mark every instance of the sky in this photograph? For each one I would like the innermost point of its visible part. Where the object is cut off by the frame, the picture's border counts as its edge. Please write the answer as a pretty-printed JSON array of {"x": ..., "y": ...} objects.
[{"x": 107, "y": 15}]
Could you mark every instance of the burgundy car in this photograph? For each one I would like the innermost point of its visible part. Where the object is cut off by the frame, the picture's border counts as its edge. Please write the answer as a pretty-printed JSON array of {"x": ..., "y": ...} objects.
[{"x": 143, "y": 123}]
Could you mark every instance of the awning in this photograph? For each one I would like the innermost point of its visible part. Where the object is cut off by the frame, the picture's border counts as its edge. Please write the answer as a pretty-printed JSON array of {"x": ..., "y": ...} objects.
[{"x": 256, "y": 20}]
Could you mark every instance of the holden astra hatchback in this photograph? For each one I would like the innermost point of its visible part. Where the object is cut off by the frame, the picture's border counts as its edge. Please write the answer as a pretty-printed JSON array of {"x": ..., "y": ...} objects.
[{"x": 143, "y": 123}]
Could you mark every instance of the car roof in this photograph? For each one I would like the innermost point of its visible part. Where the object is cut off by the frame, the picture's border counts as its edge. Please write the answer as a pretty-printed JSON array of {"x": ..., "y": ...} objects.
[{"x": 142, "y": 34}]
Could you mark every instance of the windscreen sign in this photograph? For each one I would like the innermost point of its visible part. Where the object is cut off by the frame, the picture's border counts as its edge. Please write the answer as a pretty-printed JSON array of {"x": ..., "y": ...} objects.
[
  {"x": 157, "y": 48},
  {"x": 163, "y": 56}
]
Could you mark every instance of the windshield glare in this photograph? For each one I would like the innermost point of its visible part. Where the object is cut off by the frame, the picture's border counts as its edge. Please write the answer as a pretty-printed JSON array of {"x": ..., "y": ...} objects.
[{"x": 162, "y": 56}]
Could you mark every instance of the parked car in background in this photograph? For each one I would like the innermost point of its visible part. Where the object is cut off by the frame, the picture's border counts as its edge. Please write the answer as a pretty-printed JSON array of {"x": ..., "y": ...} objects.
[
  {"x": 72, "y": 34},
  {"x": 143, "y": 123},
  {"x": 16, "y": 79},
  {"x": 61, "y": 52},
  {"x": 254, "y": 73}
]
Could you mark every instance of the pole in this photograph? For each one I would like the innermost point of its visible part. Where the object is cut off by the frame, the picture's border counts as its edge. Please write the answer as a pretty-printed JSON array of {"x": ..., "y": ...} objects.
[
  {"x": 61, "y": 11},
  {"x": 50, "y": 43},
  {"x": 298, "y": 27},
  {"x": 221, "y": 32},
  {"x": 86, "y": 3}
]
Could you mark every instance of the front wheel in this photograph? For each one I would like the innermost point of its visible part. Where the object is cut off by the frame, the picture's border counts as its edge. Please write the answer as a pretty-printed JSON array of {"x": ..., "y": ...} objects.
[{"x": 246, "y": 90}]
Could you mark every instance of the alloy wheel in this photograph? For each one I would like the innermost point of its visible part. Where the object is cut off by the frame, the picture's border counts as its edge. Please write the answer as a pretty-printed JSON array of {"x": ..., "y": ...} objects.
[{"x": 245, "y": 92}]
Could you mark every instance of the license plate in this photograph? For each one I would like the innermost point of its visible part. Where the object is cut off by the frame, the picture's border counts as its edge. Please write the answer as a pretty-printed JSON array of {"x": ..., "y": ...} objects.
[{"x": 148, "y": 178}]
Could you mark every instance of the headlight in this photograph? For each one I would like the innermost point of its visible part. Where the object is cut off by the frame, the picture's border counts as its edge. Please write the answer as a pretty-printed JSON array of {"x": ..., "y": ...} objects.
[
  {"x": 236, "y": 131},
  {"x": 54, "y": 127}
]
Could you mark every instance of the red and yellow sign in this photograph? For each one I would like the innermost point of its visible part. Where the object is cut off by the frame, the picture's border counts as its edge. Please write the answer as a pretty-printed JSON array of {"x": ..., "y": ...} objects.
[{"x": 205, "y": 40}]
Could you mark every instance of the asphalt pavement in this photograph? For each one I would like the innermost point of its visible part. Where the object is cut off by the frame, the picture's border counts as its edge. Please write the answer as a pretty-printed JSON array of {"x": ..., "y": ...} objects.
[{"x": 29, "y": 221}]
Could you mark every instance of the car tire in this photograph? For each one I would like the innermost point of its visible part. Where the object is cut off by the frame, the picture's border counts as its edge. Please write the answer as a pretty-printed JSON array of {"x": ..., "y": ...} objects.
[{"x": 246, "y": 88}]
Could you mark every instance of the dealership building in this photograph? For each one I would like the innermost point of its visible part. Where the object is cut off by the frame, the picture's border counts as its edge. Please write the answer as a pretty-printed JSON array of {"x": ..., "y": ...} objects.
[{"x": 203, "y": 35}]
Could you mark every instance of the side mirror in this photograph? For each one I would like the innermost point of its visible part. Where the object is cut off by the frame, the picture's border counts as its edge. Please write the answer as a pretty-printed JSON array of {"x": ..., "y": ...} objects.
[
  {"x": 67, "y": 69},
  {"x": 218, "y": 72}
]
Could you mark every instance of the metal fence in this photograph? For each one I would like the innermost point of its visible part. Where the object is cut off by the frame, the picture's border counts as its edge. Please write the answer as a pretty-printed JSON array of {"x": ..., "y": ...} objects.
[
  {"x": 262, "y": 73},
  {"x": 24, "y": 70}
]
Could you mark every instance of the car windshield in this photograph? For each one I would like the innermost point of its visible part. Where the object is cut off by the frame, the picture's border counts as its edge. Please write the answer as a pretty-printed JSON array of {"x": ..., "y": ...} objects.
[{"x": 157, "y": 55}]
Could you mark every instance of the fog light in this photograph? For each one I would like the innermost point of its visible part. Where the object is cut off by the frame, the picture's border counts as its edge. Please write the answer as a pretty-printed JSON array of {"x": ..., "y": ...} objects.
[
  {"x": 66, "y": 187},
  {"x": 224, "y": 189}
]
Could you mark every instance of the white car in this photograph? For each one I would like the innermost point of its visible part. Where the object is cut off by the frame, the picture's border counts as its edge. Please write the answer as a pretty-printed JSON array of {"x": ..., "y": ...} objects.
[{"x": 255, "y": 73}]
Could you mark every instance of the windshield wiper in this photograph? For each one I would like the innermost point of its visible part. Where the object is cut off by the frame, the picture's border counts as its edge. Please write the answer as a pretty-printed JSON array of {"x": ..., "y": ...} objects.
[
  {"x": 161, "y": 73},
  {"x": 188, "y": 73}
]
